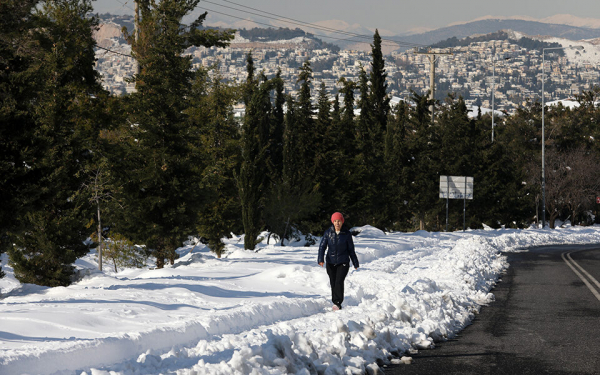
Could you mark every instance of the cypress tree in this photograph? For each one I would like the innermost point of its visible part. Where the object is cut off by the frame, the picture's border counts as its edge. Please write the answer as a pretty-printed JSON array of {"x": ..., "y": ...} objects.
[
  {"x": 18, "y": 87},
  {"x": 342, "y": 138},
  {"x": 162, "y": 185},
  {"x": 423, "y": 169},
  {"x": 347, "y": 90},
  {"x": 291, "y": 164},
  {"x": 323, "y": 121},
  {"x": 320, "y": 143},
  {"x": 277, "y": 128},
  {"x": 379, "y": 112},
  {"x": 212, "y": 114},
  {"x": 252, "y": 177},
  {"x": 368, "y": 202},
  {"x": 49, "y": 230},
  {"x": 459, "y": 153},
  {"x": 364, "y": 123},
  {"x": 336, "y": 113},
  {"x": 378, "y": 97},
  {"x": 304, "y": 123},
  {"x": 323, "y": 156},
  {"x": 396, "y": 156},
  {"x": 293, "y": 198}
]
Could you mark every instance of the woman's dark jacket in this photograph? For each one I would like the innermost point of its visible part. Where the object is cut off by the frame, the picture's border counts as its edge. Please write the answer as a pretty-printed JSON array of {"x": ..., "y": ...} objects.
[{"x": 340, "y": 247}]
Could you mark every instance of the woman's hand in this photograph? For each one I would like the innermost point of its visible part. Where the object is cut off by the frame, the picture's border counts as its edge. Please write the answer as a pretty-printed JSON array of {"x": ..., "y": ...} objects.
[{"x": 321, "y": 264}]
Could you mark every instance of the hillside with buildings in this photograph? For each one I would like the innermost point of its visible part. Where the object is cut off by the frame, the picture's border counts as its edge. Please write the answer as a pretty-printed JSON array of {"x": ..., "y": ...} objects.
[{"x": 467, "y": 72}]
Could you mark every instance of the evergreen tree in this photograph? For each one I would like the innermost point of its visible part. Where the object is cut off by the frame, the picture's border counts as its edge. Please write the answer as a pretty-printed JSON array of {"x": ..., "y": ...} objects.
[
  {"x": 277, "y": 128},
  {"x": 323, "y": 121},
  {"x": 459, "y": 155},
  {"x": 320, "y": 143},
  {"x": 250, "y": 84},
  {"x": 458, "y": 139},
  {"x": 364, "y": 123},
  {"x": 347, "y": 90},
  {"x": 343, "y": 142},
  {"x": 252, "y": 179},
  {"x": 304, "y": 124},
  {"x": 291, "y": 155},
  {"x": 362, "y": 186},
  {"x": 423, "y": 166},
  {"x": 61, "y": 125},
  {"x": 396, "y": 166},
  {"x": 165, "y": 164},
  {"x": 288, "y": 206},
  {"x": 336, "y": 113},
  {"x": 19, "y": 80},
  {"x": 379, "y": 98},
  {"x": 380, "y": 108},
  {"x": 212, "y": 112}
]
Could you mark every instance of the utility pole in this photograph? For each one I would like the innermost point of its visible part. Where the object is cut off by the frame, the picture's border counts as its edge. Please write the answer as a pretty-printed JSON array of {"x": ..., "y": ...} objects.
[
  {"x": 432, "y": 60},
  {"x": 136, "y": 30}
]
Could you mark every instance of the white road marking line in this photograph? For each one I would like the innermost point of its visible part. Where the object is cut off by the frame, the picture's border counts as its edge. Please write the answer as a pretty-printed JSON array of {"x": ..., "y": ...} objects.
[
  {"x": 585, "y": 281},
  {"x": 584, "y": 271}
]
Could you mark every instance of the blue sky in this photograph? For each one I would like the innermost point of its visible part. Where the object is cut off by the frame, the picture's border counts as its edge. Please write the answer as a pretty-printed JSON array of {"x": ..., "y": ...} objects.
[{"x": 394, "y": 15}]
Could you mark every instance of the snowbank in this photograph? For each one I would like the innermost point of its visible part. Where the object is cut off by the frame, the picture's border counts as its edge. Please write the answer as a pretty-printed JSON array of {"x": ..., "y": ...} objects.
[{"x": 261, "y": 312}]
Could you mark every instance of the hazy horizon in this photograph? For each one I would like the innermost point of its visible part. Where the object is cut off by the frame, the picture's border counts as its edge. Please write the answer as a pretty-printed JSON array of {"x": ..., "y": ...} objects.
[{"x": 388, "y": 16}]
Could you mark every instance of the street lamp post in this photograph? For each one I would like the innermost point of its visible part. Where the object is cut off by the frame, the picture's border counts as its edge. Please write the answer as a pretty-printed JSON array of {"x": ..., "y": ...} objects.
[{"x": 543, "y": 134}]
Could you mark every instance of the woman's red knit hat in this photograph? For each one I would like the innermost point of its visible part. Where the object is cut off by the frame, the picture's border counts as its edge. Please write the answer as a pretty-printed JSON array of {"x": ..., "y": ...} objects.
[{"x": 337, "y": 216}]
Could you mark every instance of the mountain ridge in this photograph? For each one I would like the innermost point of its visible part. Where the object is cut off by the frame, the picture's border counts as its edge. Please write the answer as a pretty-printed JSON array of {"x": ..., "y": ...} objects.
[{"x": 532, "y": 28}]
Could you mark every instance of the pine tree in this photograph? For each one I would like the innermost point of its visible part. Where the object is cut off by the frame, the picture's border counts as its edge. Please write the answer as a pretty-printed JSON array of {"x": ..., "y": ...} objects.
[
  {"x": 49, "y": 231},
  {"x": 165, "y": 164}
]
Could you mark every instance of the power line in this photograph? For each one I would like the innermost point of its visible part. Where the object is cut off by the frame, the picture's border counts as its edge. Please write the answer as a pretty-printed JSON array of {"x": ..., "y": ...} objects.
[
  {"x": 310, "y": 25},
  {"x": 324, "y": 28},
  {"x": 115, "y": 52},
  {"x": 265, "y": 24},
  {"x": 124, "y": 5}
]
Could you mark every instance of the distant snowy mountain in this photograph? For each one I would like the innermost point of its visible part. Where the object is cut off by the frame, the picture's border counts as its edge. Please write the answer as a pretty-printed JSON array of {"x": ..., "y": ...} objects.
[
  {"x": 558, "y": 19},
  {"x": 492, "y": 25}
]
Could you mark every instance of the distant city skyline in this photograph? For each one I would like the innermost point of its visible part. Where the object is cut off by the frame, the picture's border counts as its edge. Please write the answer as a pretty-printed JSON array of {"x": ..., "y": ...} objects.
[{"x": 389, "y": 16}]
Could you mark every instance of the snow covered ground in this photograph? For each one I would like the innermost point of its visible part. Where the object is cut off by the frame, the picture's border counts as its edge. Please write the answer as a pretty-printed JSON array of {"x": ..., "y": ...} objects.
[
  {"x": 588, "y": 55},
  {"x": 264, "y": 312}
]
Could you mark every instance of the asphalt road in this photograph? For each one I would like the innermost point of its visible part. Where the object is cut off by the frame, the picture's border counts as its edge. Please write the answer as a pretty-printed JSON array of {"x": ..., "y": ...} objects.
[{"x": 545, "y": 320}]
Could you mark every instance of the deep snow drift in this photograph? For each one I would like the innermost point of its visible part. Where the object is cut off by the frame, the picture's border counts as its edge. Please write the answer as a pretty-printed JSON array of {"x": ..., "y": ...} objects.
[{"x": 263, "y": 312}]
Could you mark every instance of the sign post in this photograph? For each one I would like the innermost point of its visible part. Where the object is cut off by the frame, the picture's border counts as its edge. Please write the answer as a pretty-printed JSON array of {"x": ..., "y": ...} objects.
[{"x": 456, "y": 187}]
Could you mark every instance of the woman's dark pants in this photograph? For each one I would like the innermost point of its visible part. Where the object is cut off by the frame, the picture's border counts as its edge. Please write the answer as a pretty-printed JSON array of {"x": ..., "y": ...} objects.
[{"x": 337, "y": 274}]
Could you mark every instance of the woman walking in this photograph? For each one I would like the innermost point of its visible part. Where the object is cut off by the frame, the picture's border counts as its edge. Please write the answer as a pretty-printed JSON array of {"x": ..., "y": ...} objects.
[{"x": 337, "y": 240}]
